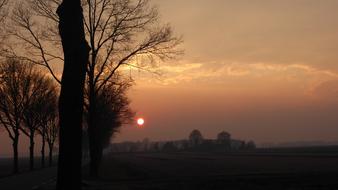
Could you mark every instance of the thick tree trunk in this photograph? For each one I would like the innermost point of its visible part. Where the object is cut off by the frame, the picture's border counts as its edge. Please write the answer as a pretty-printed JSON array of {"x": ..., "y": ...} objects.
[
  {"x": 43, "y": 143},
  {"x": 92, "y": 131},
  {"x": 94, "y": 163},
  {"x": 95, "y": 158},
  {"x": 76, "y": 53},
  {"x": 15, "y": 155},
  {"x": 31, "y": 151}
]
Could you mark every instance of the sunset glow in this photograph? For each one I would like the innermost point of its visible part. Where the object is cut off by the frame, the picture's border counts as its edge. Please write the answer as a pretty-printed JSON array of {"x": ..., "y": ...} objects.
[{"x": 263, "y": 71}]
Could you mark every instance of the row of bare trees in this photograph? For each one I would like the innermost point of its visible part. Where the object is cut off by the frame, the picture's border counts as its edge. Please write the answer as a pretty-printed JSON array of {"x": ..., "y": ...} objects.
[
  {"x": 28, "y": 106},
  {"x": 94, "y": 39}
]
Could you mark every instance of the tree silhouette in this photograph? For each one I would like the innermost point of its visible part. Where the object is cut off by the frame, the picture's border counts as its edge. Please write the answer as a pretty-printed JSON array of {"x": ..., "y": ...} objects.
[
  {"x": 39, "y": 93},
  {"x": 13, "y": 89},
  {"x": 48, "y": 123},
  {"x": 119, "y": 33},
  {"x": 76, "y": 52},
  {"x": 52, "y": 131},
  {"x": 112, "y": 112},
  {"x": 224, "y": 138},
  {"x": 195, "y": 137}
]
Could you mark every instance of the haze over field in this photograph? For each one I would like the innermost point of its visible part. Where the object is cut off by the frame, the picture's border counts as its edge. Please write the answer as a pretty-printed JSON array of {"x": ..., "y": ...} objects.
[{"x": 262, "y": 70}]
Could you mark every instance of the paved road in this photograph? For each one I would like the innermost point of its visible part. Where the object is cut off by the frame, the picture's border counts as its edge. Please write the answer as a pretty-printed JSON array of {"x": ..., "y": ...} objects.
[
  {"x": 28, "y": 180},
  {"x": 219, "y": 170}
]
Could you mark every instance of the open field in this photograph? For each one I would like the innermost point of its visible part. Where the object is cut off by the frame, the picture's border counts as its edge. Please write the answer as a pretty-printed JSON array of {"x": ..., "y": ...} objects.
[
  {"x": 279, "y": 169},
  {"x": 221, "y": 171}
]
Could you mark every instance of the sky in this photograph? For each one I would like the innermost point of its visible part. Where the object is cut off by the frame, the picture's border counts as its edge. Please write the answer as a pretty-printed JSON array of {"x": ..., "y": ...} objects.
[
  {"x": 262, "y": 70},
  {"x": 265, "y": 70}
]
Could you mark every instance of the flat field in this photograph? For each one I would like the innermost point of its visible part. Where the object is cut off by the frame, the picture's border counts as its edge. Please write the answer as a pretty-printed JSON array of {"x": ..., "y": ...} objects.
[{"x": 275, "y": 169}]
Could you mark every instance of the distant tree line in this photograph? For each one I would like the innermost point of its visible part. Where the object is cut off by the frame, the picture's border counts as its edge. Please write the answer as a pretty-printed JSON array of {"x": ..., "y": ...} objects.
[{"x": 195, "y": 142}]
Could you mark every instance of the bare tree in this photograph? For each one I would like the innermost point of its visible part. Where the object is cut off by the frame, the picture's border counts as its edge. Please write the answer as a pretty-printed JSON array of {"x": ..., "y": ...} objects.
[
  {"x": 40, "y": 91},
  {"x": 41, "y": 110},
  {"x": 49, "y": 126},
  {"x": 49, "y": 130},
  {"x": 48, "y": 123},
  {"x": 120, "y": 32},
  {"x": 12, "y": 99},
  {"x": 113, "y": 111},
  {"x": 31, "y": 38},
  {"x": 195, "y": 138},
  {"x": 51, "y": 137}
]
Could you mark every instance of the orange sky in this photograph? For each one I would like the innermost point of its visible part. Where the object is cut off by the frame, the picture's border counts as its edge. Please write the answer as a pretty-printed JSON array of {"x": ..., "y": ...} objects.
[
  {"x": 265, "y": 70},
  {"x": 262, "y": 70}
]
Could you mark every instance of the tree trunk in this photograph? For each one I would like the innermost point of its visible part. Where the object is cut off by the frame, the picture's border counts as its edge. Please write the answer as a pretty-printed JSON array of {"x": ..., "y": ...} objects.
[
  {"x": 15, "y": 154},
  {"x": 31, "y": 151},
  {"x": 51, "y": 147},
  {"x": 93, "y": 137},
  {"x": 95, "y": 159},
  {"x": 76, "y": 53},
  {"x": 95, "y": 155},
  {"x": 43, "y": 150}
]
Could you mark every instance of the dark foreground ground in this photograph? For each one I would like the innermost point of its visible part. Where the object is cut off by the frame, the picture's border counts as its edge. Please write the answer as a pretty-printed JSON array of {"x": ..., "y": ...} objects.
[
  {"x": 271, "y": 170},
  {"x": 6, "y": 165},
  {"x": 219, "y": 171}
]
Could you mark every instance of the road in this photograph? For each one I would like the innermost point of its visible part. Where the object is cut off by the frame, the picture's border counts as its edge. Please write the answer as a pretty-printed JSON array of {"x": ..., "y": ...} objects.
[
  {"x": 220, "y": 170},
  {"x": 28, "y": 180}
]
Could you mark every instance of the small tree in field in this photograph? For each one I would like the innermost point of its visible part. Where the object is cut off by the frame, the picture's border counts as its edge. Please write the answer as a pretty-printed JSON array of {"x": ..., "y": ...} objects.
[
  {"x": 224, "y": 138},
  {"x": 195, "y": 138},
  {"x": 51, "y": 133}
]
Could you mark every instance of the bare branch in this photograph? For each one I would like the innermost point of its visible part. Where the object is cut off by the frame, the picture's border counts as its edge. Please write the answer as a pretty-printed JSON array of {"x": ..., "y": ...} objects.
[
  {"x": 3, "y": 11},
  {"x": 28, "y": 32}
]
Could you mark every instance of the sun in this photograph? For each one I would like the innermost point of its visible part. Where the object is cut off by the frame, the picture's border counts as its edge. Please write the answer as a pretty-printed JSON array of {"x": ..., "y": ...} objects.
[{"x": 140, "y": 121}]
